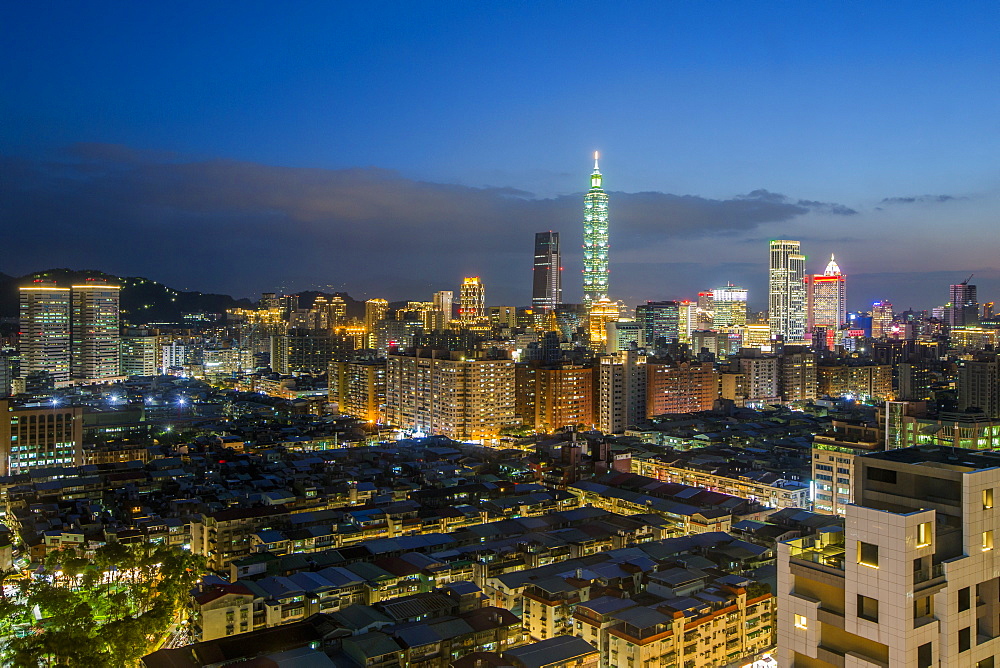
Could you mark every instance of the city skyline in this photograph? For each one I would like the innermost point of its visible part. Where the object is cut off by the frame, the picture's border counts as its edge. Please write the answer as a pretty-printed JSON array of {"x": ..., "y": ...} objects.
[{"x": 257, "y": 176}]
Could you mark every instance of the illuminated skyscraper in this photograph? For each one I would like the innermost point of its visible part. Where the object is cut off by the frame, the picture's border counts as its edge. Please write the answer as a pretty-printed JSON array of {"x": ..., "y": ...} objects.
[
  {"x": 729, "y": 306},
  {"x": 547, "y": 279},
  {"x": 595, "y": 240},
  {"x": 826, "y": 298},
  {"x": 787, "y": 299},
  {"x": 45, "y": 330},
  {"x": 472, "y": 301},
  {"x": 881, "y": 319},
  {"x": 601, "y": 313},
  {"x": 442, "y": 303},
  {"x": 96, "y": 341},
  {"x": 963, "y": 310},
  {"x": 375, "y": 310}
]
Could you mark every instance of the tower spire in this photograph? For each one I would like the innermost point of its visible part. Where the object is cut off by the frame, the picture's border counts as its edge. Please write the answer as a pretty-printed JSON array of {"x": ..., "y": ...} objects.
[{"x": 596, "y": 168}]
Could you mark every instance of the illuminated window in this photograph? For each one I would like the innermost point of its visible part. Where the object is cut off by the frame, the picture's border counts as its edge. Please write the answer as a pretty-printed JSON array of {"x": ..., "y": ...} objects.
[
  {"x": 987, "y": 498},
  {"x": 801, "y": 622},
  {"x": 987, "y": 540},
  {"x": 867, "y": 554},
  {"x": 924, "y": 534}
]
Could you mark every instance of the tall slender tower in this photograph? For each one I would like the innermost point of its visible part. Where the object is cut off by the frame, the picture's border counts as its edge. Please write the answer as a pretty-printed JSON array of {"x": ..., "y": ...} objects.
[
  {"x": 787, "y": 299},
  {"x": 547, "y": 280},
  {"x": 595, "y": 240}
]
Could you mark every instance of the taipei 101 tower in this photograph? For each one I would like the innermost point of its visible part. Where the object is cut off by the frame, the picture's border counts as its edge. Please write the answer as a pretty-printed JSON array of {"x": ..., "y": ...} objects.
[{"x": 595, "y": 240}]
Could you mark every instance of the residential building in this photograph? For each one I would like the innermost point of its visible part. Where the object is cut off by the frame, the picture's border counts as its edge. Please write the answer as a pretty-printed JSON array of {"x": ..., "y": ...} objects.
[
  {"x": 95, "y": 339},
  {"x": 680, "y": 387},
  {"x": 621, "y": 383},
  {"x": 911, "y": 581},
  {"x": 44, "y": 343}
]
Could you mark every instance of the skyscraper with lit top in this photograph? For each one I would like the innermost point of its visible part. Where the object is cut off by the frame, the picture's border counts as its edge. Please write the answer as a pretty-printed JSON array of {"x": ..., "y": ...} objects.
[
  {"x": 826, "y": 297},
  {"x": 595, "y": 240}
]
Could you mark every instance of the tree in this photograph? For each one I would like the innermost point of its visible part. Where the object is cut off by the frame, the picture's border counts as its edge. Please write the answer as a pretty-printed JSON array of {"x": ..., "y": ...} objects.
[{"x": 104, "y": 611}]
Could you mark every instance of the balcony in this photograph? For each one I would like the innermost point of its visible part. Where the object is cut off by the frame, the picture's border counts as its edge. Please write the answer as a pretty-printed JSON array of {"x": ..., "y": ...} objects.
[
  {"x": 928, "y": 577},
  {"x": 826, "y": 550}
]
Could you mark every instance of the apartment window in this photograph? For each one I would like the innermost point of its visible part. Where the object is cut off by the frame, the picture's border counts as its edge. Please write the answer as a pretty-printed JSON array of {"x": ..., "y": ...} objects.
[
  {"x": 965, "y": 639},
  {"x": 923, "y": 607},
  {"x": 987, "y": 498},
  {"x": 868, "y": 608},
  {"x": 867, "y": 554},
  {"x": 924, "y": 534},
  {"x": 987, "y": 540},
  {"x": 964, "y": 599},
  {"x": 985, "y": 663},
  {"x": 925, "y": 654},
  {"x": 801, "y": 622}
]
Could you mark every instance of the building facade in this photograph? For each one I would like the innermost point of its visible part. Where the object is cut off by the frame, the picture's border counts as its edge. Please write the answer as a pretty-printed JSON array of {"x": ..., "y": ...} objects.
[
  {"x": 787, "y": 291},
  {"x": 546, "y": 289},
  {"x": 45, "y": 330}
]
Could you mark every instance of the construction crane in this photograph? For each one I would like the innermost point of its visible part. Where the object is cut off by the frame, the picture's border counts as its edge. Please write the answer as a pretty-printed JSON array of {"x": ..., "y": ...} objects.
[{"x": 966, "y": 281}]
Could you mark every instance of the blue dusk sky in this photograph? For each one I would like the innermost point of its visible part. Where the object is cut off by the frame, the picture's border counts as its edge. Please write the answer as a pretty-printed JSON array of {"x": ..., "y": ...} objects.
[{"x": 391, "y": 148}]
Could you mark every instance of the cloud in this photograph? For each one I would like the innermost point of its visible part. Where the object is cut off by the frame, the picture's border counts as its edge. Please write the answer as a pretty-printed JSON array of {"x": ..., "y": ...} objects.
[
  {"x": 922, "y": 199},
  {"x": 242, "y": 227}
]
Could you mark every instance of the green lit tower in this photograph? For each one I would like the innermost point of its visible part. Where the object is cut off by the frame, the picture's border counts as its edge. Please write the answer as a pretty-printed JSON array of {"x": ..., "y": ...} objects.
[{"x": 595, "y": 240}]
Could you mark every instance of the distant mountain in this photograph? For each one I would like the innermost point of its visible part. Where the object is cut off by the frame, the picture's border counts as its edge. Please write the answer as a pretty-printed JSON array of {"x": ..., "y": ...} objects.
[{"x": 142, "y": 300}]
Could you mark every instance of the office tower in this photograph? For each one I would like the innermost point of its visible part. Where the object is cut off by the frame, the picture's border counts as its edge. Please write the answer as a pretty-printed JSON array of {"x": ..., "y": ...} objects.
[
  {"x": 787, "y": 291},
  {"x": 729, "y": 306},
  {"x": 881, "y": 319},
  {"x": 45, "y": 330},
  {"x": 358, "y": 388},
  {"x": 621, "y": 400},
  {"x": 471, "y": 301},
  {"x": 595, "y": 240},
  {"x": 442, "y": 302},
  {"x": 547, "y": 276},
  {"x": 659, "y": 320},
  {"x": 39, "y": 437},
  {"x": 95, "y": 347},
  {"x": 602, "y": 312},
  {"x": 963, "y": 309},
  {"x": 988, "y": 311},
  {"x": 503, "y": 316},
  {"x": 911, "y": 580},
  {"x": 450, "y": 394},
  {"x": 826, "y": 301},
  {"x": 375, "y": 310},
  {"x": 687, "y": 320},
  {"x": 704, "y": 316}
]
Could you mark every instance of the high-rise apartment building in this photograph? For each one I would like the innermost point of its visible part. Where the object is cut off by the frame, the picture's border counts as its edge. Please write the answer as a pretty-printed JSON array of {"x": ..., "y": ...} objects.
[
  {"x": 979, "y": 384},
  {"x": 911, "y": 580},
  {"x": 729, "y": 306},
  {"x": 358, "y": 387},
  {"x": 881, "y": 319},
  {"x": 95, "y": 347},
  {"x": 547, "y": 277},
  {"x": 683, "y": 387},
  {"x": 556, "y": 396},
  {"x": 963, "y": 307},
  {"x": 472, "y": 301},
  {"x": 375, "y": 310},
  {"x": 45, "y": 330},
  {"x": 621, "y": 400},
  {"x": 595, "y": 240},
  {"x": 434, "y": 392},
  {"x": 659, "y": 320},
  {"x": 787, "y": 291},
  {"x": 140, "y": 355}
]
